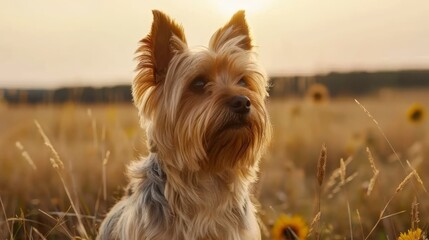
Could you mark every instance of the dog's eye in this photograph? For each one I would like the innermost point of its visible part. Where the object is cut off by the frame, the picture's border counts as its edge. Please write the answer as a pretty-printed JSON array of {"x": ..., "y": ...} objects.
[
  {"x": 198, "y": 84},
  {"x": 242, "y": 82}
]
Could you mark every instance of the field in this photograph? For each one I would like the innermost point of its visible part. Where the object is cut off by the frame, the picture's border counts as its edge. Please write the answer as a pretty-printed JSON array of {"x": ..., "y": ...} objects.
[{"x": 376, "y": 167}]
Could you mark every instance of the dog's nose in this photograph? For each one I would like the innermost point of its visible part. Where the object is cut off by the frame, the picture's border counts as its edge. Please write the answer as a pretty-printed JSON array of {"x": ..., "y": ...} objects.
[{"x": 240, "y": 104}]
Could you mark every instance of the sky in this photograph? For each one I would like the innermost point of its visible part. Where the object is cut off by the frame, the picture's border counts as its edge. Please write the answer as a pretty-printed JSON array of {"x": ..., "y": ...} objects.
[{"x": 54, "y": 43}]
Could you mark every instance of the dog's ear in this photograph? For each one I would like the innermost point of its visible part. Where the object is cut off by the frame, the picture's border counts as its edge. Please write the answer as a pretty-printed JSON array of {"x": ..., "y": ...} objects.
[
  {"x": 237, "y": 29},
  {"x": 165, "y": 39}
]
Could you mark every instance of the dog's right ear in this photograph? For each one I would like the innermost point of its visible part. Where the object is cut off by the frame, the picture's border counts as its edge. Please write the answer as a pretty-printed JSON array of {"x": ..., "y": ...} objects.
[
  {"x": 165, "y": 39},
  {"x": 159, "y": 46}
]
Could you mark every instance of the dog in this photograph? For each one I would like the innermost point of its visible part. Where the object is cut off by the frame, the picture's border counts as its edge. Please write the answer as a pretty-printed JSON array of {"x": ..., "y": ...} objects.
[{"x": 207, "y": 127}]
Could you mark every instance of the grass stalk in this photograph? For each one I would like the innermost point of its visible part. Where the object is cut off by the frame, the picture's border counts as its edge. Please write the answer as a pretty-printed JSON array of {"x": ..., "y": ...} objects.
[{"x": 58, "y": 166}]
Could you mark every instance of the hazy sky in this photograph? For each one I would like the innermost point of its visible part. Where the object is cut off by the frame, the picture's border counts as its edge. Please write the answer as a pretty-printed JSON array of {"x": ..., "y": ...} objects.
[{"x": 51, "y": 43}]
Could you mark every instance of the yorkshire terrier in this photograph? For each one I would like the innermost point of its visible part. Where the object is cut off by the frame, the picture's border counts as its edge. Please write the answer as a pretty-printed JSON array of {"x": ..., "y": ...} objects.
[{"x": 207, "y": 127}]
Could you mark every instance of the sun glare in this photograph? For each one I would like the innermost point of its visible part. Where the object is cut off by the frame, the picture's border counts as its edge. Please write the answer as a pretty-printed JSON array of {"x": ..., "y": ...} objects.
[{"x": 250, "y": 6}]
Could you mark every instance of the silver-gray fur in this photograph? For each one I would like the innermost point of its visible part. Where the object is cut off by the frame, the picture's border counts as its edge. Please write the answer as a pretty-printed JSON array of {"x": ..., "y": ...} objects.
[{"x": 145, "y": 213}]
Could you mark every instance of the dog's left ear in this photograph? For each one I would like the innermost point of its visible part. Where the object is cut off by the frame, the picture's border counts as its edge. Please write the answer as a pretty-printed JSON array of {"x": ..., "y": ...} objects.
[{"x": 236, "y": 28}]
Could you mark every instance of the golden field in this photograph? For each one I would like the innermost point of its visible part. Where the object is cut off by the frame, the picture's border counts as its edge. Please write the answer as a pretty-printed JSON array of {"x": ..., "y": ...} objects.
[{"x": 40, "y": 199}]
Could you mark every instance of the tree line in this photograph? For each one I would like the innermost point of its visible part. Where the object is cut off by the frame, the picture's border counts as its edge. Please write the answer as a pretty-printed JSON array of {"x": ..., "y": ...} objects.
[{"x": 338, "y": 84}]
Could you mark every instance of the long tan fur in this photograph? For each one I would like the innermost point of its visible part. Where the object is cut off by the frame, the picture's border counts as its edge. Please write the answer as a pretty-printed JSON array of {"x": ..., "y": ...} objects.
[{"x": 195, "y": 184}]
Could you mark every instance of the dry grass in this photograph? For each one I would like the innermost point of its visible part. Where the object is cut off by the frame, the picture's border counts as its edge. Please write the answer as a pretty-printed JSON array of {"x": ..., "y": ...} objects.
[{"x": 366, "y": 196}]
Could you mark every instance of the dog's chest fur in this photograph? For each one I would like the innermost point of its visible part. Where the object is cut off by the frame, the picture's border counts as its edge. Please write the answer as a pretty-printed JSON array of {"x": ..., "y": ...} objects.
[{"x": 189, "y": 207}]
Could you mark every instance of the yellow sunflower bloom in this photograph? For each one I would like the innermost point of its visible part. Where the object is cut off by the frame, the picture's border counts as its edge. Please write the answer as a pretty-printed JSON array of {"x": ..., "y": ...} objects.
[
  {"x": 416, "y": 113},
  {"x": 289, "y": 228},
  {"x": 318, "y": 93},
  {"x": 411, "y": 235}
]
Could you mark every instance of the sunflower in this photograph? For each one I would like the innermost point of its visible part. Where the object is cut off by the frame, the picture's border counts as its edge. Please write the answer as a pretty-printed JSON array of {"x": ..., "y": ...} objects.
[
  {"x": 412, "y": 235},
  {"x": 289, "y": 228},
  {"x": 318, "y": 93},
  {"x": 416, "y": 113}
]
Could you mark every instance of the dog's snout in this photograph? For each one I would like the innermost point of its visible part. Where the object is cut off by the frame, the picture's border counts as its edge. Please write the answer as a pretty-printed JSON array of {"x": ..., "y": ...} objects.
[{"x": 240, "y": 104}]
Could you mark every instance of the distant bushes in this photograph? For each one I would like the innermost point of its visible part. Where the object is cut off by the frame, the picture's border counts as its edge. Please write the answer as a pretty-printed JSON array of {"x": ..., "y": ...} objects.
[
  {"x": 338, "y": 84},
  {"x": 354, "y": 83},
  {"x": 78, "y": 94}
]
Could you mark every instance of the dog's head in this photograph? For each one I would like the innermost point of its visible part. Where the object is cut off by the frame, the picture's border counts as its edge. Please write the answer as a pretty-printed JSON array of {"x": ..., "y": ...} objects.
[{"x": 203, "y": 108}]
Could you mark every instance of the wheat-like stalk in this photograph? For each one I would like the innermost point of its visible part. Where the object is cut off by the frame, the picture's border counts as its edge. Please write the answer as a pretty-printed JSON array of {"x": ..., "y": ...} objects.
[
  {"x": 338, "y": 187},
  {"x": 25, "y": 155},
  {"x": 320, "y": 174},
  {"x": 58, "y": 165},
  {"x": 375, "y": 173},
  {"x": 415, "y": 214},
  {"x": 315, "y": 221},
  {"x": 342, "y": 171},
  {"x": 321, "y": 165},
  {"x": 336, "y": 174},
  {"x": 56, "y": 160},
  {"x": 398, "y": 189},
  {"x": 350, "y": 217},
  {"x": 104, "y": 175},
  {"x": 382, "y": 133},
  {"x": 402, "y": 184},
  {"x": 417, "y": 176},
  {"x": 360, "y": 222}
]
